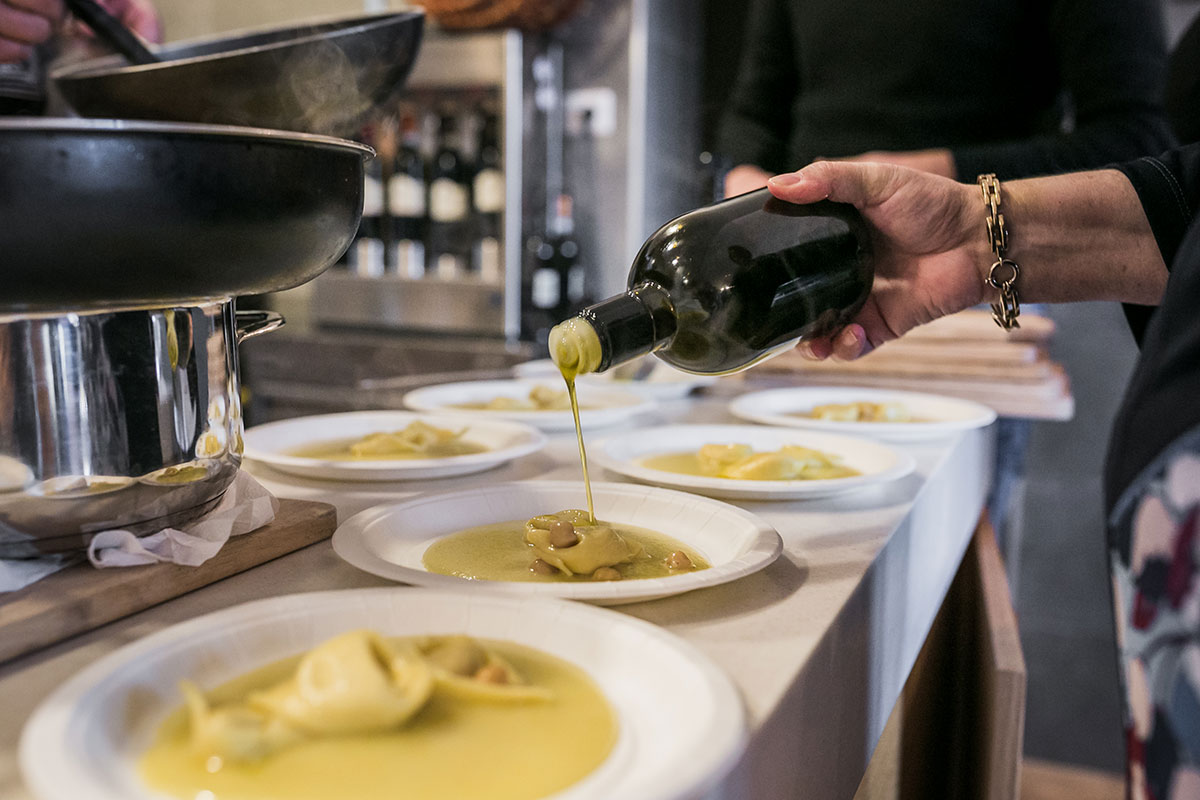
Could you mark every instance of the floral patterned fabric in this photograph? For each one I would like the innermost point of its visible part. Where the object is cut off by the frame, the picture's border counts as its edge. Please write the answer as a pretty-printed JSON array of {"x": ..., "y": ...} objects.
[{"x": 1156, "y": 590}]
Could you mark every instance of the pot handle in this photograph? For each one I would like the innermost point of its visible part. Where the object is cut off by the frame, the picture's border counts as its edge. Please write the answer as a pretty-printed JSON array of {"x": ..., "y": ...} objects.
[{"x": 252, "y": 323}]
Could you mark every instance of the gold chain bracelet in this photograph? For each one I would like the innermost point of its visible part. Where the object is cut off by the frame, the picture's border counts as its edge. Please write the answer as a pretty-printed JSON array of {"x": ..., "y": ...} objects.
[{"x": 1004, "y": 272}]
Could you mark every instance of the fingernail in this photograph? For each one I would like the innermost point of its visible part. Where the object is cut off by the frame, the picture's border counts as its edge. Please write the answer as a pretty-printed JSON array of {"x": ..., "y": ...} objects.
[
  {"x": 855, "y": 340},
  {"x": 788, "y": 179},
  {"x": 848, "y": 345}
]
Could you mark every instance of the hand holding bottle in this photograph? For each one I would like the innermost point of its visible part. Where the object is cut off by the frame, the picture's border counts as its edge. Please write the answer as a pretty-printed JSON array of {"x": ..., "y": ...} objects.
[
  {"x": 929, "y": 242},
  {"x": 1081, "y": 236}
]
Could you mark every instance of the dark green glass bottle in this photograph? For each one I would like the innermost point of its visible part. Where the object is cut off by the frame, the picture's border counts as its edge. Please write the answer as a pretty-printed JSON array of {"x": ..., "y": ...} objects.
[{"x": 724, "y": 286}]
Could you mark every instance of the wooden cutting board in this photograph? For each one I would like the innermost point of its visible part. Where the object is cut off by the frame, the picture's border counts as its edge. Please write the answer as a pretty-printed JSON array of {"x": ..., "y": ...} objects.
[
  {"x": 81, "y": 598},
  {"x": 978, "y": 325}
]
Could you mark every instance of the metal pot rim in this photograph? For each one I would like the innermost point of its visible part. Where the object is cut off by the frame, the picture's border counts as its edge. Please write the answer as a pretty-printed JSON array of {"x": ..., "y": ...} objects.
[
  {"x": 7, "y": 316},
  {"x": 181, "y": 130}
]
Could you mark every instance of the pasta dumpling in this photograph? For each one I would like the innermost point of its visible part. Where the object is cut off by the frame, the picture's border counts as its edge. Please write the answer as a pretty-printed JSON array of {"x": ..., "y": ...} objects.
[
  {"x": 354, "y": 683},
  {"x": 741, "y": 462},
  {"x": 861, "y": 412},
  {"x": 234, "y": 733},
  {"x": 417, "y": 437},
  {"x": 593, "y": 546},
  {"x": 357, "y": 682},
  {"x": 464, "y": 668}
]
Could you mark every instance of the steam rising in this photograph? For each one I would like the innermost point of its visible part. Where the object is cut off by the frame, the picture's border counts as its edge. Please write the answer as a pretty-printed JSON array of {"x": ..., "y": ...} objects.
[
  {"x": 320, "y": 78},
  {"x": 325, "y": 89}
]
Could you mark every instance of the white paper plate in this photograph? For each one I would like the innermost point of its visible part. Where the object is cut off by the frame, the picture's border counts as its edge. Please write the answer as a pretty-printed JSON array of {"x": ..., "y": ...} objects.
[
  {"x": 623, "y": 453},
  {"x": 599, "y": 406},
  {"x": 940, "y": 415},
  {"x": 390, "y": 540},
  {"x": 272, "y": 443},
  {"x": 209, "y": 465},
  {"x": 681, "y": 723},
  {"x": 663, "y": 382},
  {"x": 71, "y": 487}
]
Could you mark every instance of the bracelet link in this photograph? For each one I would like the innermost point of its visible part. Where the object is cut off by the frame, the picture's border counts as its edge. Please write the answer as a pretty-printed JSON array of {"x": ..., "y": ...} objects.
[{"x": 1005, "y": 312}]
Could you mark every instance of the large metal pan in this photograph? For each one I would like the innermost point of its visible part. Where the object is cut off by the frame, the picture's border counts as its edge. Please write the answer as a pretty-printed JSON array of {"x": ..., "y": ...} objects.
[
  {"x": 318, "y": 77},
  {"x": 106, "y": 213}
]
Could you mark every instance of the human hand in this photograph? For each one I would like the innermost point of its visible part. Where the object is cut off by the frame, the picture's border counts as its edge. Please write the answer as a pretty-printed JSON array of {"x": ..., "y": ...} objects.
[
  {"x": 745, "y": 178},
  {"x": 938, "y": 161},
  {"x": 928, "y": 239},
  {"x": 25, "y": 23}
]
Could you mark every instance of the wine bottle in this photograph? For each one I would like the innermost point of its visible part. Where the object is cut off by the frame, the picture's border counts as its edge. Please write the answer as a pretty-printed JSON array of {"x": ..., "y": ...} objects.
[
  {"x": 566, "y": 259},
  {"x": 406, "y": 202},
  {"x": 449, "y": 203},
  {"x": 722, "y": 287},
  {"x": 366, "y": 254},
  {"x": 487, "y": 194}
]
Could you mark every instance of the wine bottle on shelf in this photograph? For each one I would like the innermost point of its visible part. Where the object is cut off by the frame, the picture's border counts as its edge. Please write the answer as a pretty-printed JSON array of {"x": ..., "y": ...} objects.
[
  {"x": 725, "y": 286},
  {"x": 449, "y": 203},
  {"x": 545, "y": 293},
  {"x": 487, "y": 195},
  {"x": 406, "y": 194},
  {"x": 571, "y": 275},
  {"x": 366, "y": 254}
]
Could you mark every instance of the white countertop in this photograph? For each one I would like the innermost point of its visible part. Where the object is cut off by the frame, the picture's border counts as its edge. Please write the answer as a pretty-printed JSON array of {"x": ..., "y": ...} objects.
[{"x": 819, "y": 644}]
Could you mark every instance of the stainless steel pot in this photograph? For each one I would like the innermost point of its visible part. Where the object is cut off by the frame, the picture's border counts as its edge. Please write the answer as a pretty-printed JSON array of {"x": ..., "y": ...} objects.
[{"x": 117, "y": 419}]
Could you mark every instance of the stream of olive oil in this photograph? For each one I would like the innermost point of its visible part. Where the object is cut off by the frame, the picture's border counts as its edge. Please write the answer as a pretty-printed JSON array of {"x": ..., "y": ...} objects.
[
  {"x": 575, "y": 350},
  {"x": 587, "y": 483}
]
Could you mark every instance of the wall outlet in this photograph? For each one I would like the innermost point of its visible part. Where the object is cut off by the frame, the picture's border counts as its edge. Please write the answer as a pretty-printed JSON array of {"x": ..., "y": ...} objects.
[{"x": 591, "y": 111}]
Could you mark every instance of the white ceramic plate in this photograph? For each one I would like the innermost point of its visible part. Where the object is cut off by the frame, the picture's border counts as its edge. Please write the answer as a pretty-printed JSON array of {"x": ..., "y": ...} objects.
[
  {"x": 939, "y": 415},
  {"x": 623, "y": 453},
  {"x": 662, "y": 382},
  {"x": 681, "y": 723},
  {"x": 390, "y": 540},
  {"x": 271, "y": 444},
  {"x": 599, "y": 406}
]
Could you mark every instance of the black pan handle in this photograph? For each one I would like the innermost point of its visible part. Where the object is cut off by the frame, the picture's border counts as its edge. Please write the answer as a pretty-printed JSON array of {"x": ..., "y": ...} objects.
[{"x": 110, "y": 29}]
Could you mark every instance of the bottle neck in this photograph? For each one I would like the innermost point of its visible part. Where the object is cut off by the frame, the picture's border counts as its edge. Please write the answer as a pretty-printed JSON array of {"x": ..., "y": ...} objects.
[{"x": 631, "y": 325}]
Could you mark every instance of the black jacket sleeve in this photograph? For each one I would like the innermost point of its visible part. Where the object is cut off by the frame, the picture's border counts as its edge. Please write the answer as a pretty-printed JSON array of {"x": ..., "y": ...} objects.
[
  {"x": 1160, "y": 403},
  {"x": 1112, "y": 61},
  {"x": 1169, "y": 188},
  {"x": 755, "y": 126}
]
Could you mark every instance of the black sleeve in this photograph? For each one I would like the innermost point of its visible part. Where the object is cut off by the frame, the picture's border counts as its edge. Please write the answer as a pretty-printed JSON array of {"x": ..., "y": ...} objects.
[
  {"x": 1112, "y": 60},
  {"x": 755, "y": 124},
  {"x": 1169, "y": 189}
]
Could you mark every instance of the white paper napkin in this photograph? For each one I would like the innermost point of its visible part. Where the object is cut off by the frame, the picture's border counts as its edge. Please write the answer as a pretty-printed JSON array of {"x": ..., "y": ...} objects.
[{"x": 245, "y": 506}]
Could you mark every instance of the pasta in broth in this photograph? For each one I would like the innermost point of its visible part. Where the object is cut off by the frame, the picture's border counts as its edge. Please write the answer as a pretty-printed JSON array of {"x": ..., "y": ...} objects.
[
  {"x": 565, "y": 546},
  {"x": 418, "y": 440},
  {"x": 741, "y": 462},
  {"x": 370, "y": 717}
]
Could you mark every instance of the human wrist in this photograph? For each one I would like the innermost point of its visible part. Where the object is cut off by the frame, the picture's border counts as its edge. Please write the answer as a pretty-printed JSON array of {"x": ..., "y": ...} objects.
[
  {"x": 972, "y": 235},
  {"x": 1077, "y": 237},
  {"x": 1004, "y": 272}
]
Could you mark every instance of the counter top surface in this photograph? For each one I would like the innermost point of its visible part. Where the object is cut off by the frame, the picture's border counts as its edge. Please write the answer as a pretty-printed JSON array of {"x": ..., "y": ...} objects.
[{"x": 819, "y": 643}]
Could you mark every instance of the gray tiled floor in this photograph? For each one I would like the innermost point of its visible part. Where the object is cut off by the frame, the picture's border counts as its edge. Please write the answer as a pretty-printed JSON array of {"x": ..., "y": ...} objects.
[{"x": 1073, "y": 712}]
